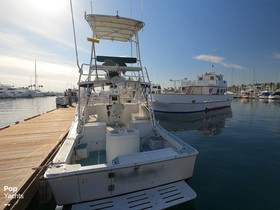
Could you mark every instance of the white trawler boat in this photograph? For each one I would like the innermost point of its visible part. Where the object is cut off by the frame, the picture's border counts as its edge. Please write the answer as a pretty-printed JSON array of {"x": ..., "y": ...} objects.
[
  {"x": 115, "y": 155},
  {"x": 208, "y": 92}
]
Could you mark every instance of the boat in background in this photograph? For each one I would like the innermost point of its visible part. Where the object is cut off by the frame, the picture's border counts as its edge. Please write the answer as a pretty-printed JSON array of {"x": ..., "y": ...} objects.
[
  {"x": 7, "y": 91},
  {"x": 116, "y": 156},
  {"x": 264, "y": 94},
  {"x": 69, "y": 96},
  {"x": 36, "y": 92},
  {"x": 243, "y": 94},
  {"x": 156, "y": 89},
  {"x": 251, "y": 92},
  {"x": 275, "y": 95},
  {"x": 208, "y": 92}
]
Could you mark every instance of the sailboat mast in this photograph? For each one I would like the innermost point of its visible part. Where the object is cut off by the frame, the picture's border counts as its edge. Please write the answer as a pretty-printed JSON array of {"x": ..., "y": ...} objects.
[{"x": 35, "y": 76}]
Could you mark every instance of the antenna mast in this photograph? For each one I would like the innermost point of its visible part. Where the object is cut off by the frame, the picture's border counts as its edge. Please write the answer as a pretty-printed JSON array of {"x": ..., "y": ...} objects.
[{"x": 73, "y": 25}]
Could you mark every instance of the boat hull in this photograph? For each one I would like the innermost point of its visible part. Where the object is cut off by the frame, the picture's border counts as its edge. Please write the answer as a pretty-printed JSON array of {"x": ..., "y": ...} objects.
[
  {"x": 89, "y": 183},
  {"x": 182, "y": 103},
  {"x": 274, "y": 97}
]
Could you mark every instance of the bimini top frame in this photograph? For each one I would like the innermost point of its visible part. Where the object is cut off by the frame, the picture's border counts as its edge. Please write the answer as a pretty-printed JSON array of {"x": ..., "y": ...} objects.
[
  {"x": 113, "y": 28},
  {"x": 119, "y": 29}
]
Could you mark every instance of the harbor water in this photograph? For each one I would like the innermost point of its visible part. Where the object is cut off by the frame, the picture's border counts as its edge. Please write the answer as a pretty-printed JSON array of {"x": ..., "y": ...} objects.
[
  {"x": 238, "y": 166},
  {"x": 14, "y": 110}
]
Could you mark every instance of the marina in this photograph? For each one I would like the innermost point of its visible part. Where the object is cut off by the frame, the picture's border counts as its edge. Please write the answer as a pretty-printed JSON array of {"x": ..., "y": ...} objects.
[
  {"x": 239, "y": 149},
  {"x": 121, "y": 137}
]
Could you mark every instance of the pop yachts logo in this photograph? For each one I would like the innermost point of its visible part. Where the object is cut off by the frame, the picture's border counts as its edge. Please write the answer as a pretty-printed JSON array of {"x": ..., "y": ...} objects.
[{"x": 11, "y": 193}]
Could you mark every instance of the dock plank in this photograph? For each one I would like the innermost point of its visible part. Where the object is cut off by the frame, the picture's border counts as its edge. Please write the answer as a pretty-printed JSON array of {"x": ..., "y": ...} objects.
[{"x": 25, "y": 146}]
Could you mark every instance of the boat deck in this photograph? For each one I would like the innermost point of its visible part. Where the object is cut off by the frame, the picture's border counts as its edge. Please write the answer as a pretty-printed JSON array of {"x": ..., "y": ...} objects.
[
  {"x": 24, "y": 149},
  {"x": 99, "y": 156},
  {"x": 95, "y": 157}
]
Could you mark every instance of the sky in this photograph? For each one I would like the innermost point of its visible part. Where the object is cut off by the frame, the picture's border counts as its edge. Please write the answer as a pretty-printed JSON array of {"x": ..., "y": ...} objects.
[{"x": 181, "y": 39}]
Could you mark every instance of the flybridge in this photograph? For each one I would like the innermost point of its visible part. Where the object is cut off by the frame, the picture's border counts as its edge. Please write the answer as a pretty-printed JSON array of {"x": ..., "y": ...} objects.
[{"x": 118, "y": 29}]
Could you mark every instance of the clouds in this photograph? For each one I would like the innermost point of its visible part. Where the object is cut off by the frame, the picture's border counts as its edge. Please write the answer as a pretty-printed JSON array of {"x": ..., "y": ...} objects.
[
  {"x": 42, "y": 30},
  {"x": 210, "y": 58},
  {"x": 35, "y": 17},
  {"x": 218, "y": 60},
  {"x": 52, "y": 75},
  {"x": 37, "y": 29}
]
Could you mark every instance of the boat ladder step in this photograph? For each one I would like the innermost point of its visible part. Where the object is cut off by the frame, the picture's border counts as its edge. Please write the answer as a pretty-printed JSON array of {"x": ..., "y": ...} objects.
[{"x": 155, "y": 198}]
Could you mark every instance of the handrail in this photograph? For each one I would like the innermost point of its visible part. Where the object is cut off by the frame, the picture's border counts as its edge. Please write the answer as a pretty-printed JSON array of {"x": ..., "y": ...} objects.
[
  {"x": 116, "y": 68},
  {"x": 150, "y": 99}
]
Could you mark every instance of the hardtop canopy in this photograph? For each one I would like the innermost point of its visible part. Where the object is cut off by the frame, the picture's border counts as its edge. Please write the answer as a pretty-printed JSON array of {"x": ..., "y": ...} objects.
[{"x": 113, "y": 27}]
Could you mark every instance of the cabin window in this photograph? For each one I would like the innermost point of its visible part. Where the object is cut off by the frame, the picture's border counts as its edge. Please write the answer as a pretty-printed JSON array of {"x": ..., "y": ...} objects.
[
  {"x": 200, "y": 78},
  {"x": 212, "y": 78},
  {"x": 218, "y": 91}
]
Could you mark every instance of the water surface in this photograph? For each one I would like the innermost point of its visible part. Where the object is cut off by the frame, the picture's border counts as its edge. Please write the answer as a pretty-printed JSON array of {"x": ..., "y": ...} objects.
[
  {"x": 238, "y": 166},
  {"x": 13, "y": 110}
]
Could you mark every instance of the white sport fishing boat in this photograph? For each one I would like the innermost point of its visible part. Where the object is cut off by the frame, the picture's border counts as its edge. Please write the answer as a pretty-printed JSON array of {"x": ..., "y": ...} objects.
[
  {"x": 115, "y": 155},
  {"x": 208, "y": 92}
]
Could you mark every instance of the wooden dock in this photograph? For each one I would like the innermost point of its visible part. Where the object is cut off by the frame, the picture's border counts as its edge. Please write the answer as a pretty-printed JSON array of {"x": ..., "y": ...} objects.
[{"x": 25, "y": 149}]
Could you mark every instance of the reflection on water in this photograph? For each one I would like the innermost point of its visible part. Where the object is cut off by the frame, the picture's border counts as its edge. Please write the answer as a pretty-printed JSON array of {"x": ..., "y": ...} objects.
[
  {"x": 265, "y": 101},
  {"x": 208, "y": 124},
  {"x": 240, "y": 167}
]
